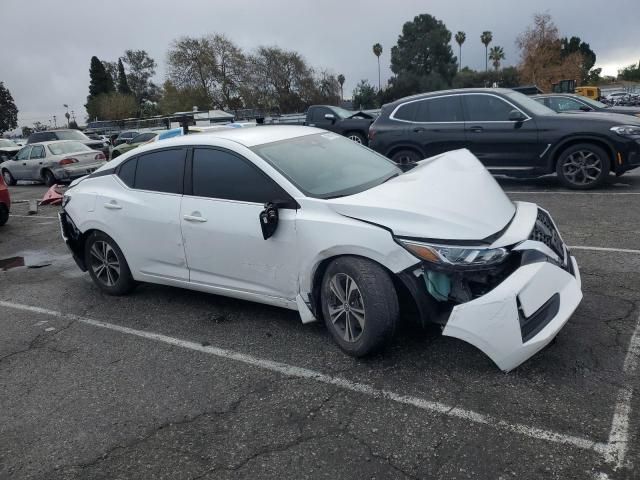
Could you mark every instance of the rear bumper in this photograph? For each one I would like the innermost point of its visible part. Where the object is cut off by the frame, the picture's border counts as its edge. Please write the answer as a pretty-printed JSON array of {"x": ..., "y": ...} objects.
[
  {"x": 521, "y": 315},
  {"x": 72, "y": 171}
]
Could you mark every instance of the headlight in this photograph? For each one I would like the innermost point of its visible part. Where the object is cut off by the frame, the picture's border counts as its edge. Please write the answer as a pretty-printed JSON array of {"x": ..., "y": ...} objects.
[
  {"x": 445, "y": 255},
  {"x": 627, "y": 130}
]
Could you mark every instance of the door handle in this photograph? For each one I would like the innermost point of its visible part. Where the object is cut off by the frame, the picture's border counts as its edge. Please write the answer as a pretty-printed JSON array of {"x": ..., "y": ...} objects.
[
  {"x": 418, "y": 130},
  {"x": 24, "y": 163},
  {"x": 112, "y": 205},
  {"x": 195, "y": 218},
  {"x": 476, "y": 129}
]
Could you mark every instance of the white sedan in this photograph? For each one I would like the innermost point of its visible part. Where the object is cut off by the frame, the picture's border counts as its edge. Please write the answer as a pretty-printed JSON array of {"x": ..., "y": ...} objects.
[
  {"x": 51, "y": 162},
  {"x": 307, "y": 220}
]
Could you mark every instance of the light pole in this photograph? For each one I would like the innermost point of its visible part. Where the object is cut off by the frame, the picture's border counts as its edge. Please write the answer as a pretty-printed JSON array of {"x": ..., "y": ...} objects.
[
  {"x": 55, "y": 124},
  {"x": 67, "y": 113}
]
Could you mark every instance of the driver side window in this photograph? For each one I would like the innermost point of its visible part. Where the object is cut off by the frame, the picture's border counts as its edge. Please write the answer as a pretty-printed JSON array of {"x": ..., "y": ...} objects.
[
  {"x": 24, "y": 153},
  {"x": 37, "y": 152}
]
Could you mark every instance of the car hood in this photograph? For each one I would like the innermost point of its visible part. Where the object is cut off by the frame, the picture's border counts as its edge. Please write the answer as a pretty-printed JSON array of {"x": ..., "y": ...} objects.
[
  {"x": 611, "y": 118},
  {"x": 9, "y": 149},
  {"x": 447, "y": 197}
]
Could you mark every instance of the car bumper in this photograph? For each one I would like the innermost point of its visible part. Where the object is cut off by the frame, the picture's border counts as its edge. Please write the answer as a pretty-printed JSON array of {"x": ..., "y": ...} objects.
[
  {"x": 72, "y": 238},
  {"x": 71, "y": 171}
]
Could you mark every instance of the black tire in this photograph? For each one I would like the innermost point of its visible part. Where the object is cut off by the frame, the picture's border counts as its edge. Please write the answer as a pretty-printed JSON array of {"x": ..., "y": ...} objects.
[
  {"x": 4, "y": 214},
  {"x": 583, "y": 166},
  {"x": 49, "y": 178},
  {"x": 105, "y": 278},
  {"x": 405, "y": 157},
  {"x": 8, "y": 178},
  {"x": 374, "y": 298},
  {"x": 356, "y": 137}
]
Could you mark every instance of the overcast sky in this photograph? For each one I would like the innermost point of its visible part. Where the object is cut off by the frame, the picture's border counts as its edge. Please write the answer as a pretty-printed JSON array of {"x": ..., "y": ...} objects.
[{"x": 46, "y": 45}]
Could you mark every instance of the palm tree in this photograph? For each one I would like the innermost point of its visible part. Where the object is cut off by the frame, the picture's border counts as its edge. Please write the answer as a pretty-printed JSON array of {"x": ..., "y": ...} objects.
[
  {"x": 486, "y": 39},
  {"x": 377, "y": 51},
  {"x": 496, "y": 54},
  {"x": 460, "y": 38},
  {"x": 341, "y": 82}
]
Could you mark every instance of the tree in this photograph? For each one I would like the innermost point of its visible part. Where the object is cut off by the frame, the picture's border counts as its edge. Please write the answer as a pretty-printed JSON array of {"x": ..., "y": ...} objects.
[
  {"x": 486, "y": 38},
  {"x": 377, "y": 51},
  {"x": 73, "y": 124},
  {"x": 541, "y": 59},
  {"x": 573, "y": 45},
  {"x": 496, "y": 54},
  {"x": 113, "y": 106},
  {"x": 461, "y": 37},
  {"x": 364, "y": 96},
  {"x": 112, "y": 69},
  {"x": 26, "y": 131},
  {"x": 100, "y": 81},
  {"x": 123, "y": 85},
  {"x": 630, "y": 73},
  {"x": 423, "y": 56},
  {"x": 176, "y": 99},
  {"x": 341, "y": 80},
  {"x": 140, "y": 69},
  {"x": 8, "y": 110}
]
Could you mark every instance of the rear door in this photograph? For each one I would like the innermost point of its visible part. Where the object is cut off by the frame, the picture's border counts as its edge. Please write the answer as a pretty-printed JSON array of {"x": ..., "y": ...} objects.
[
  {"x": 437, "y": 125},
  {"x": 497, "y": 141},
  {"x": 221, "y": 227},
  {"x": 34, "y": 164}
]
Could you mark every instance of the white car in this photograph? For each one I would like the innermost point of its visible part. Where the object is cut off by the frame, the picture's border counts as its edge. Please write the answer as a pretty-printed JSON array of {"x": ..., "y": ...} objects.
[
  {"x": 51, "y": 162},
  {"x": 308, "y": 220}
]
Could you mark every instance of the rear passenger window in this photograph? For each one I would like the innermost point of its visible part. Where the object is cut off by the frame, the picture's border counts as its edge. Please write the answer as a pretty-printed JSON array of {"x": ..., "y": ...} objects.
[
  {"x": 486, "y": 108},
  {"x": 439, "y": 110},
  {"x": 406, "y": 111},
  {"x": 218, "y": 174},
  {"x": 160, "y": 171},
  {"x": 127, "y": 172}
]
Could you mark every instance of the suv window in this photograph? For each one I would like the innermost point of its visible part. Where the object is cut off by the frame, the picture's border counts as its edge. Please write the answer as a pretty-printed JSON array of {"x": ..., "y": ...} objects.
[
  {"x": 37, "y": 152},
  {"x": 219, "y": 174},
  {"x": 439, "y": 110},
  {"x": 143, "y": 137},
  {"x": 160, "y": 171},
  {"x": 41, "y": 137},
  {"x": 406, "y": 112},
  {"x": 23, "y": 154},
  {"x": 486, "y": 108}
]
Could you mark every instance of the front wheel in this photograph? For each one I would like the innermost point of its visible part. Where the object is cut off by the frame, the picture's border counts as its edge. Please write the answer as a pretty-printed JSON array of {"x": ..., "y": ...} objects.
[
  {"x": 583, "y": 166},
  {"x": 8, "y": 178},
  {"x": 359, "y": 305},
  {"x": 405, "y": 157},
  {"x": 357, "y": 137},
  {"x": 107, "y": 266}
]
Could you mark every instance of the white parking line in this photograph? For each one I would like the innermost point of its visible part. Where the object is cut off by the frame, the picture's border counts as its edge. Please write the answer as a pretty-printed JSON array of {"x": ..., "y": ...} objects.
[
  {"x": 619, "y": 435},
  {"x": 343, "y": 383},
  {"x": 551, "y": 192},
  {"x": 604, "y": 249},
  {"x": 32, "y": 216}
]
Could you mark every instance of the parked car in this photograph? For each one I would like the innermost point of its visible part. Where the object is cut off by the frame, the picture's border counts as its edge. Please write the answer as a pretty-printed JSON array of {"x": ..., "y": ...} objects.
[
  {"x": 50, "y": 162},
  {"x": 71, "y": 134},
  {"x": 566, "y": 102},
  {"x": 510, "y": 133},
  {"x": 5, "y": 202},
  {"x": 353, "y": 125},
  {"x": 124, "y": 137},
  {"x": 308, "y": 220},
  {"x": 8, "y": 148},
  {"x": 133, "y": 143}
]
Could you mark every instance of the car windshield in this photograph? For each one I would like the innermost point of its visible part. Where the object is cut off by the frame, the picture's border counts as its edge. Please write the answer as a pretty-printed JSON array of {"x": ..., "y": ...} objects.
[
  {"x": 71, "y": 135},
  {"x": 63, "y": 148},
  {"x": 342, "y": 113},
  {"x": 327, "y": 165},
  {"x": 7, "y": 143},
  {"x": 530, "y": 104}
]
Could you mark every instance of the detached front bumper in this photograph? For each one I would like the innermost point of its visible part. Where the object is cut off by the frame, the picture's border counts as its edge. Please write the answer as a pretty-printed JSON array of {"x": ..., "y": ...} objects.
[{"x": 521, "y": 315}]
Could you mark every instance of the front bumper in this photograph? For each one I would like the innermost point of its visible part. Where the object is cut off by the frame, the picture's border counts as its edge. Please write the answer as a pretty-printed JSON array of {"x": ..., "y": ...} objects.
[
  {"x": 73, "y": 238},
  {"x": 499, "y": 323}
]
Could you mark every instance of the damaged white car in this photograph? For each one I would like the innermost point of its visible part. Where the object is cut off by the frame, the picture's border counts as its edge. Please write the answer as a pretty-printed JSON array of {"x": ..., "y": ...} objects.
[{"x": 307, "y": 220}]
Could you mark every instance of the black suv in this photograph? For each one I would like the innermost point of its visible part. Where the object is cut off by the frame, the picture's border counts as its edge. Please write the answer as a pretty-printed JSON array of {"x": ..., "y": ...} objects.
[
  {"x": 70, "y": 134},
  {"x": 510, "y": 133}
]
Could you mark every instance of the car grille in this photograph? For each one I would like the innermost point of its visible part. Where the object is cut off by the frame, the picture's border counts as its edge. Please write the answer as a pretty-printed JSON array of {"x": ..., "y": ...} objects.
[{"x": 545, "y": 232}]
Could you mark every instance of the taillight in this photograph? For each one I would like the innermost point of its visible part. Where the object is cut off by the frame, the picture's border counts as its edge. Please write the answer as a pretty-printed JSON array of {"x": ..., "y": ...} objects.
[
  {"x": 372, "y": 134},
  {"x": 100, "y": 156},
  {"x": 67, "y": 161}
]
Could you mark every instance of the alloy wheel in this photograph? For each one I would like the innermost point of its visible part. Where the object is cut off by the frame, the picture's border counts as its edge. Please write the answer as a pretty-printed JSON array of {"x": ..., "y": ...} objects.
[
  {"x": 7, "y": 177},
  {"x": 104, "y": 263},
  {"x": 355, "y": 138},
  {"x": 346, "y": 307},
  {"x": 582, "y": 167}
]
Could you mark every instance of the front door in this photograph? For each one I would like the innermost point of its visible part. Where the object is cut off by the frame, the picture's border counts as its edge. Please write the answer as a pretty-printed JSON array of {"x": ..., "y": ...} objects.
[
  {"x": 497, "y": 141},
  {"x": 19, "y": 164},
  {"x": 221, "y": 228}
]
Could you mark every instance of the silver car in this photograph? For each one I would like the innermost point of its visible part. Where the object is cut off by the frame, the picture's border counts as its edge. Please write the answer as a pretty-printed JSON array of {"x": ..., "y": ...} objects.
[{"x": 50, "y": 162}]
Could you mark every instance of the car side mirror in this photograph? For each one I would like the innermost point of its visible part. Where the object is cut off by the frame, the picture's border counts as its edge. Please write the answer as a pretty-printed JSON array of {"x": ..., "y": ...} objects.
[
  {"x": 330, "y": 116},
  {"x": 516, "y": 116},
  {"x": 584, "y": 108},
  {"x": 269, "y": 220}
]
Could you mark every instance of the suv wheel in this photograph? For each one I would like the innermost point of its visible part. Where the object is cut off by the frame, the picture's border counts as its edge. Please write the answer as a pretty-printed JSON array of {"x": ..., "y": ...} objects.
[
  {"x": 583, "y": 166},
  {"x": 356, "y": 137},
  {"x": 359, "y": 305},
  {"x": 107, "y": 266},
  {"x": 8, "y": 178},
  {"x": 405, "y": 157}
]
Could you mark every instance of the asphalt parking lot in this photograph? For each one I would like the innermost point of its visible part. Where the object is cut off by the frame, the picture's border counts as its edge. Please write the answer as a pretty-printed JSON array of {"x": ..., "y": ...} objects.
[{"x": 174, "y": 384}]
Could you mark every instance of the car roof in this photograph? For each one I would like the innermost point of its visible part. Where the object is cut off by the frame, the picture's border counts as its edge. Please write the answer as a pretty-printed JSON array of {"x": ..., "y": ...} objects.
[
  {"x": 54, "y": 142},
  {"x": 439, "y": 93}
]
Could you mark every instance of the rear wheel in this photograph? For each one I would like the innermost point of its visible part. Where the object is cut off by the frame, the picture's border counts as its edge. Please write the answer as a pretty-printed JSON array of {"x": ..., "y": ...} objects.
[
  {"x": 8, "y": 178},
  {"x": 583, "y": 166},
  {"x": 359, "y": 305},
  {"x": 405, "y": 157},
  {"x": 48, "y": 178},
  {"x": 357, "y": 137},
  {"x": 107, "y": 266}
]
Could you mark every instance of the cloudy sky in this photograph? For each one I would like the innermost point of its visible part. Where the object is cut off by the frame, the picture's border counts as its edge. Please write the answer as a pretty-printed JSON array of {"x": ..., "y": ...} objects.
[{"x": 47, "y": 45}]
